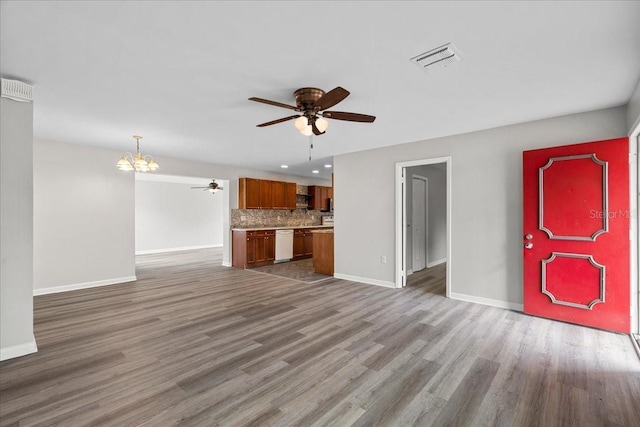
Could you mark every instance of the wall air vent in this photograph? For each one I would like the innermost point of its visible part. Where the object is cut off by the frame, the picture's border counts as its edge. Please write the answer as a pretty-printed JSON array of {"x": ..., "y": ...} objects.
[
  {"x": 16, "y": 90},
  {"x": 437, "y": 58}
]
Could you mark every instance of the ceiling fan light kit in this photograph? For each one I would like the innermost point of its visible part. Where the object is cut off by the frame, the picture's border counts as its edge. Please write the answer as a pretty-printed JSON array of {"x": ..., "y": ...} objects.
[
  {"x": 137, "y": 162},
  {"x": 311, "y": 102}
]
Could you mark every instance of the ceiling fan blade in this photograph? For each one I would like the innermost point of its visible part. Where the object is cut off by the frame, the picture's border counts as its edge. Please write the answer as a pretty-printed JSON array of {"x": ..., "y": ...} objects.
[
  {"x": 315, "y": 129},
  {"x": 350, "y": 117},
  {"x": 274, "y": 122},
  {"x": 331, "y": 98},
  {"x": 219, "y": 188},
  {"x": 277, "y": 104},
  {"x": 197, "y": 188}
]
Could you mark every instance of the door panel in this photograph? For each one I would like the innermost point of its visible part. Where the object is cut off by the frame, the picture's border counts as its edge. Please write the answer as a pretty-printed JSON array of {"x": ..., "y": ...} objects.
[
  {"x": 419, "y": 221},
  {"x": 576, "y": 234}
]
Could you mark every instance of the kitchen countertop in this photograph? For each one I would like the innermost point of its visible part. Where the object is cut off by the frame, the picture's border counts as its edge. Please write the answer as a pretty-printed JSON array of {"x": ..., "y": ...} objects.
[
  {"x": 299, "y": 227},
  {"x": 323, "y": 231}
]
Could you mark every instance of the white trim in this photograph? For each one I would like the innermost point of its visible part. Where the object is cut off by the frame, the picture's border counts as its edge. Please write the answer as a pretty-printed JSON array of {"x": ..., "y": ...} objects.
[
  {"x": 183, "y": 248},
  {"x": 634, "y": 221},
  {"x": 366, "y": 280},
  {"x": 19, "y": 350},
  {"x": 436, "y": 262},
  {"x": 487, "y": 301},
  {"x": 226, "y": 264},
  {"x": 401, "y": 230},
  {"x": 85, "y": 285},
  {"x": 409, "y": 272}
]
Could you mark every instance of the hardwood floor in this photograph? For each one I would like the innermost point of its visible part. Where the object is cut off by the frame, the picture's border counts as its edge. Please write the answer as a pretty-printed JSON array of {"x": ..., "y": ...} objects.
[{"x": 192, "y": 343}]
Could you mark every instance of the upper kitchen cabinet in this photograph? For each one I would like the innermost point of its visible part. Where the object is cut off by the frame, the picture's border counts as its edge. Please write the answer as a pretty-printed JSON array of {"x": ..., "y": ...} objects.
[
  {"x": 319, "y": 197},
  {"x": 265, "y": 194},
  {"x": 283, "y": 195}
]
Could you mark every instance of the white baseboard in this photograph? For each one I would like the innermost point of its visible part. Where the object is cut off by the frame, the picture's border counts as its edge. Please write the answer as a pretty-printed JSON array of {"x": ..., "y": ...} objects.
[
  {"x": 182, "y": 248},
  {"x": 19, "y": 350},
  {"x": 226, "y": 264},
  {"x": 487, "y": 301},
  {"x": 409, "y": 272},
  {"x": 436, "y": 262},
  {"x": 365, "y": 280},
  {"x": 85, "y": 285}
]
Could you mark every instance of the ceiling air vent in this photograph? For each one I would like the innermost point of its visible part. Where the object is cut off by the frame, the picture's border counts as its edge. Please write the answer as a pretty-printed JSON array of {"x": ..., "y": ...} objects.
[
  {"x": 17, "y": 90},
  {"x": 437, "y": 58}
]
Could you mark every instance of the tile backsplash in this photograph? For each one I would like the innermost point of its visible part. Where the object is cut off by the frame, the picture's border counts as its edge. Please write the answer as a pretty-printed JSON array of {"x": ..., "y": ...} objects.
[{"x": 245, "y": 218}]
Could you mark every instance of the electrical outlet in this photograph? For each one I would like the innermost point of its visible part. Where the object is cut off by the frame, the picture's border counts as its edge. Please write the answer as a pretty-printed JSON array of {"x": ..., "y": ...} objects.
[{"x": 383, "y": 259}]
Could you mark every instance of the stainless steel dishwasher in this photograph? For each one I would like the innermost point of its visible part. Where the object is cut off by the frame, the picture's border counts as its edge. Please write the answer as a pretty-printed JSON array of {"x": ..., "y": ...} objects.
[{"x": 284, "y": 245}]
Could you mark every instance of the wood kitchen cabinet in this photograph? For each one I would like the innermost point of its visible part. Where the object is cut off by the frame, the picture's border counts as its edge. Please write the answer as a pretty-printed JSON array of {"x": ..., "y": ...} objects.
[
  {"x": 290, "y": 195},
  {"x": 266, "y": 194},
  {"x": 319, "y": 197},
  {"x": 302, "y": 243},
  {"x": 253, "y": 248}
]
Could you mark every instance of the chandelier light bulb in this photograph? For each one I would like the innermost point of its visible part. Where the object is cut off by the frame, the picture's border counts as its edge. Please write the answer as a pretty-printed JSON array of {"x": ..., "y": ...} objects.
[{"x": 124, "y": 164}]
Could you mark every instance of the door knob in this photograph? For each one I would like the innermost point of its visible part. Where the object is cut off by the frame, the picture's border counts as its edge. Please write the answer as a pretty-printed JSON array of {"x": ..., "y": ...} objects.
[{"x": 528, "y": 245}]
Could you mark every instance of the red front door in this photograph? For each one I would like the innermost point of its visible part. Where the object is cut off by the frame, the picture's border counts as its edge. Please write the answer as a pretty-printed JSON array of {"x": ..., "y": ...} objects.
[{"x": 576, "y": 234}]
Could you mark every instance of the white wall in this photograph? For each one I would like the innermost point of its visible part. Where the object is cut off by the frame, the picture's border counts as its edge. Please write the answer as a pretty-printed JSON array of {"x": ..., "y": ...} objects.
[
  {"x": 486, "y": 201},
  {"x": 16, "y": 229},
  {"x": 633, "y": 110},
  {"x": 436, "y": 214},
  {"x": 172, "y": 216},
  {"x": 84, "y": 215},
  {"x": 83, "y": 218}
]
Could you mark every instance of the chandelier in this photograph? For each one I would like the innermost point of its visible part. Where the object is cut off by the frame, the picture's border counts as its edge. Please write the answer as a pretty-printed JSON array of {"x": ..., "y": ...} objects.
[{"x": 139, "y": 163}]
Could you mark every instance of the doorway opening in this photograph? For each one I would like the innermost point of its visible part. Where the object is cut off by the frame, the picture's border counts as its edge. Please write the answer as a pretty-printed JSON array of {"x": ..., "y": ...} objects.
[
  {"x": 178, "y": 213},
  {"x": 435, "y": 173}
]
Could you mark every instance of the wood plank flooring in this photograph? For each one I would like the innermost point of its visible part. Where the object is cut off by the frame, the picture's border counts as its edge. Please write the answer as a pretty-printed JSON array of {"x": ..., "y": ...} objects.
[{"x": 192, "y": 343}]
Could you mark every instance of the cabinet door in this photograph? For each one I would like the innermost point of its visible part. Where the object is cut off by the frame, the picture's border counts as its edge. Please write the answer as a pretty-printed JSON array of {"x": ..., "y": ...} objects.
[
  {"x": 260, "y": 249},
  {"x": 270, "y": 247},
  {"x": 314, "y": 197},
  {"x": 266, "y": 194},
  {"x": 308, "y": 242},
  {"x": 290, "y": 195},
  {"x": 278, "y": 195},
  {"x": 251, "y": 193},
  {"x": 251, "y": 249},
  {"x": 325, "y": 199},
  {"x": 298, "y": 243}
]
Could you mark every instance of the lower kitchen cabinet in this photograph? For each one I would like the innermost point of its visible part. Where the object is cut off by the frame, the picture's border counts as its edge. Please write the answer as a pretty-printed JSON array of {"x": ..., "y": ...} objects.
[
  {"x": 253, "y": 248},
  {"x": 302, "y": 243}
]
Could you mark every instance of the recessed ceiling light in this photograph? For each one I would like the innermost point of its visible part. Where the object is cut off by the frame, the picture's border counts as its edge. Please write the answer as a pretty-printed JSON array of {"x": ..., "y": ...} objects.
[
  {"x": 328, "y": 166},
  {"x": 284, "y": 166},
  {"x": 315, "y": 171}
]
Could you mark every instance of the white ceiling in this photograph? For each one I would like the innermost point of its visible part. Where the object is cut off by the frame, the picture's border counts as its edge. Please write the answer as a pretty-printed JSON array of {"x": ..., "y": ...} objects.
[{"x": 180, "y": 73}]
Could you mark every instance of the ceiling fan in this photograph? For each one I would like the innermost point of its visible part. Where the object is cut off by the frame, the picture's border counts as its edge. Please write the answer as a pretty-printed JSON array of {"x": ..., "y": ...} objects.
[
  {"x": 212, "y": 187},
  {"x": 311, "y": 103}
]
